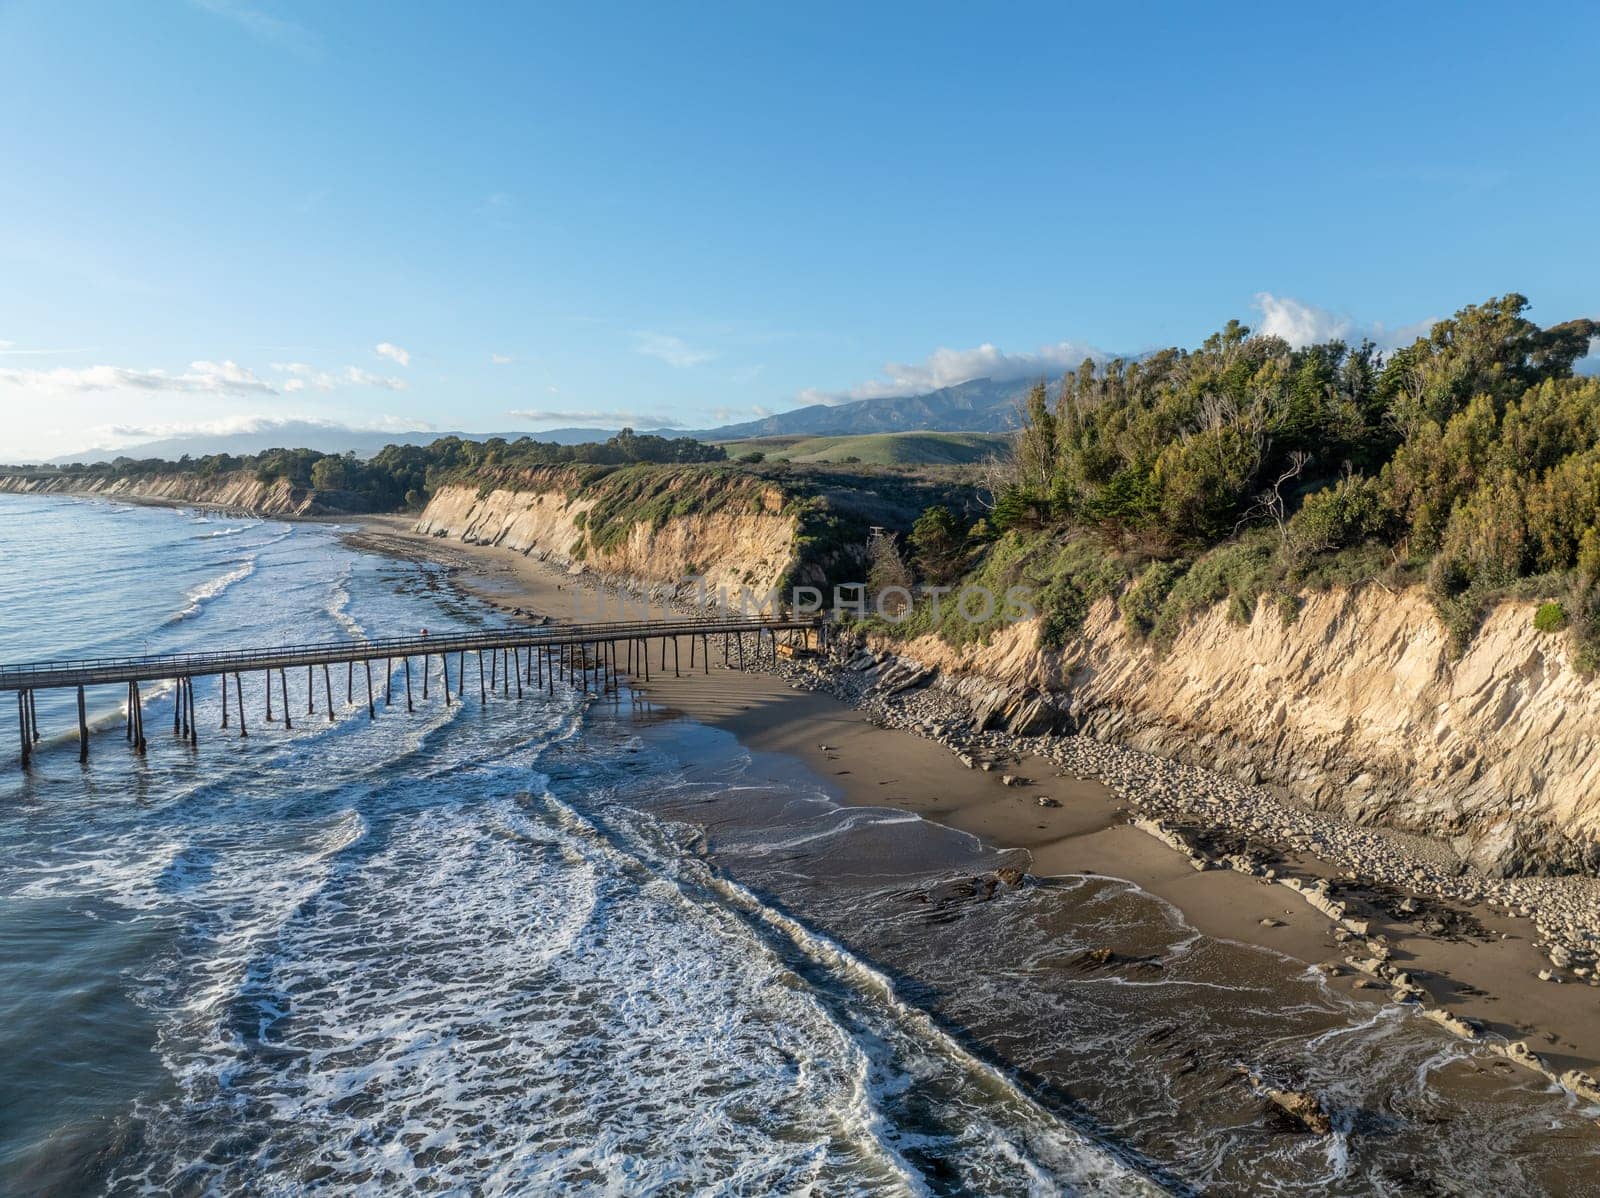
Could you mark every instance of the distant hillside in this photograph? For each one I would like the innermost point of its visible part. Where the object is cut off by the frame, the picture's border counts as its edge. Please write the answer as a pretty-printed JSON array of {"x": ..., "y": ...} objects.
[
  {"x": 880, "y": 449},
  {"x": 305, "y": 434},
  {"x": 979, "y": 405},
  {"x": 976, "y": 406}
]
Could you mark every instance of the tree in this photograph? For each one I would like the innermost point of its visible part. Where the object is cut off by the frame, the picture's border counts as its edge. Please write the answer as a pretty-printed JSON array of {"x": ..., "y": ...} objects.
[
  {"x": 886, "y": 570},
  {"x": 937, "y": 545},
  {"x": 330, "y": 474}
]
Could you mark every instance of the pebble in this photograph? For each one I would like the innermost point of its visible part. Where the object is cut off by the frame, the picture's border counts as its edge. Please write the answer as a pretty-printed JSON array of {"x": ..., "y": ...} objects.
[{"x": 1567, "y": 906}]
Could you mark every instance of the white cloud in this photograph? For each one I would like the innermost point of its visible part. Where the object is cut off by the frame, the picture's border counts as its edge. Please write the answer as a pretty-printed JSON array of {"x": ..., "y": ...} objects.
[
  {"x": 674, "y": 351},
  {"x": 501, "y": 359},
  {"x": 619, "y": 419},
  {"x": 739, "y": 415},
  {"x": 946, "y": 367},
  {"x": 1302, "y": 324},
  {"x": 1298, "y": 323},
  {"x": 251, "y": 423},
  {"x": 365, "y": 378},
  {"x": 305, "y": 375},
  {"x": 387, "y": 349},
  {"x": 215, "y": 378}
]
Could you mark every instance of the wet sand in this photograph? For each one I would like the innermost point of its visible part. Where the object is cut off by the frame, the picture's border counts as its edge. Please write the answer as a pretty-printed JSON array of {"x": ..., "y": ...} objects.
[{"x": 1489, "y": 977}]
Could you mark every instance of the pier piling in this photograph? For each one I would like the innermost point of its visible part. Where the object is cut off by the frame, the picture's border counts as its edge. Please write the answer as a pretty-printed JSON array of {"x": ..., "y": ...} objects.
[{"x": 589, "y": 657}]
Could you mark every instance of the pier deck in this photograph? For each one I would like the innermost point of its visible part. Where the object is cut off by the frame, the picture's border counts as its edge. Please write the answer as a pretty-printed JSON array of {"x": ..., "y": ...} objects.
[{"x": 532, "y": 655}]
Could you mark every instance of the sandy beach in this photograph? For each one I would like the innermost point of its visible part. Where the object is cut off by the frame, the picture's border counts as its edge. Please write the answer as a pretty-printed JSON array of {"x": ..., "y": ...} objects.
[{"x": 1484, "y": 968}]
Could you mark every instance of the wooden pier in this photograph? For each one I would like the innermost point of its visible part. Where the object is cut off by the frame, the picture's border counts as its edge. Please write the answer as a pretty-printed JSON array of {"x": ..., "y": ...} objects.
[{"x": 508, "y": 660}]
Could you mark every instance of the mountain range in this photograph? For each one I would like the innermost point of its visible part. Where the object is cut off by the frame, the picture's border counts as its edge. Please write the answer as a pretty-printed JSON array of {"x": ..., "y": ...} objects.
[{"x": 976, "y": 406}]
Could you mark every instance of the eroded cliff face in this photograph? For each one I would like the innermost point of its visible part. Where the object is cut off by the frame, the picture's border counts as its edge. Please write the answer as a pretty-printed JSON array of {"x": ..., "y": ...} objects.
[
  {"x": 240, "y": 490},
  {"x": 730, "y": 549},
  {"x": 1356, "y": 706}
]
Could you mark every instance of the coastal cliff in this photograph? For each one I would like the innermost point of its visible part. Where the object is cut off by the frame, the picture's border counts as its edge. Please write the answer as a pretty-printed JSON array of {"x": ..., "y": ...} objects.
[
  {"x": 1356, "y": 706},
  {"x": 743, "y": 536},
  {"x": 238, "y": 490}
]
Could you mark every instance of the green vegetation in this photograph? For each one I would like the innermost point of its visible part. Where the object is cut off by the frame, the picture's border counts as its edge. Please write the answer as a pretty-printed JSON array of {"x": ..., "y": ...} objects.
[
  {"x": 630, "y": 480},
  {"x": 403, "y": 476},
  {"x": 878, "y": 449},
  {"x": 1551, "y": 617},
  {"x": 1248, "y": 469}
]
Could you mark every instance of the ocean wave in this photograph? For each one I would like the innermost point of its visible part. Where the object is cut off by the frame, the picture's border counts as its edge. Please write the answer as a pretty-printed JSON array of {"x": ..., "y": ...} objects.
[
  {"x": 199, "y": 596},
  {"x": 225, "y": 532},
  {"x": 445, "y": 995},
  {"x": 1054, "y": 1156},
  {"x": 338, "y": 606}
]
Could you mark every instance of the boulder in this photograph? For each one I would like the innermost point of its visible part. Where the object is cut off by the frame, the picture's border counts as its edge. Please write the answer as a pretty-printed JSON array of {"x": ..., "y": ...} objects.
[
  {"x": 1302, "y": 1106},
  {"x": 1029, "y": 717},
  {"x": 1466, "y": 1029},
  {"x": 1305, "y": 1107}
]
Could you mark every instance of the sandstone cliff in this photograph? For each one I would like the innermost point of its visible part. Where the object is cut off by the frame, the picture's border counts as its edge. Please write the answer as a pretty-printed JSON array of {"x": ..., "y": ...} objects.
[
  {"x": 238, "y": 491},
  {"x": 1356, "y": 706},
  {"x": 747, "y": 544}
]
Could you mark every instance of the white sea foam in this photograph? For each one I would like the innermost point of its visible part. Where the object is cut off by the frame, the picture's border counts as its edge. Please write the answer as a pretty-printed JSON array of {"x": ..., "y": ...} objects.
[
  {"x": 197, "y": 597},
  {"x": 465, "y": 1006},
  {"x": 339, "y": 606}
]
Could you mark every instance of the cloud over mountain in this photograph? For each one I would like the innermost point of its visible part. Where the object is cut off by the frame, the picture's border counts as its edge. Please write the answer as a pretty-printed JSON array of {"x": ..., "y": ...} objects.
[{"x": 946, "y": 367}]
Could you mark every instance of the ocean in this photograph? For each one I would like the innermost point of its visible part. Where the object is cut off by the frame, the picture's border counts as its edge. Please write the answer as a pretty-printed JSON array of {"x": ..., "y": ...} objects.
[{"x": 577, "y": 944}]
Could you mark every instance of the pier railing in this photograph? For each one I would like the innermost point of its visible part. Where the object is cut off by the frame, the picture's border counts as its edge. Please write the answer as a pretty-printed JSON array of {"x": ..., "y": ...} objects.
[{"x": 515, "y": 653}]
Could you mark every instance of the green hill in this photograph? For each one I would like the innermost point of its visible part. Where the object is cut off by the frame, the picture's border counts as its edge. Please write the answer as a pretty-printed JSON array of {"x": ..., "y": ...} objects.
[{"x": 879, "y": 449}]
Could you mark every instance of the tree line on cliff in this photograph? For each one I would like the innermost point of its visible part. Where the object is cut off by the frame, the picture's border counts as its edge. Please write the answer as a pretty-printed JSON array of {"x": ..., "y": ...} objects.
[
  {"x": 1469, "y": 459},
  {"x": 405, "y": 475}
]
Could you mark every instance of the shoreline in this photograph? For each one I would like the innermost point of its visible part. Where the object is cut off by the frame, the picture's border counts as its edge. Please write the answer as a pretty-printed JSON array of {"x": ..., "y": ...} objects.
[{"x": 1478, "y": 970}]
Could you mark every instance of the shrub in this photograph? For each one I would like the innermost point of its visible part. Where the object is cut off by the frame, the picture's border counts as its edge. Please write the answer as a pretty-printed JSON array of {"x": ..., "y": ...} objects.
[
  {"x": 1344, "y": 514},
  {"x": 1239, "y": 573},
  {"x": 1141, "y": 606},
  {"x": 1551, "y": 617}
]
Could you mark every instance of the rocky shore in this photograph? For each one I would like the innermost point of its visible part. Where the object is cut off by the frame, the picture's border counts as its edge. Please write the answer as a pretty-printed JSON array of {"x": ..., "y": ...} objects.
[{"x": 1354, "y": 876}]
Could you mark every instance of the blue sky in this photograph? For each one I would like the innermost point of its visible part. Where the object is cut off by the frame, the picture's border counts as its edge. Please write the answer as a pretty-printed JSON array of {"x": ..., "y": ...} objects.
[{"x": 215, "y": 212}]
